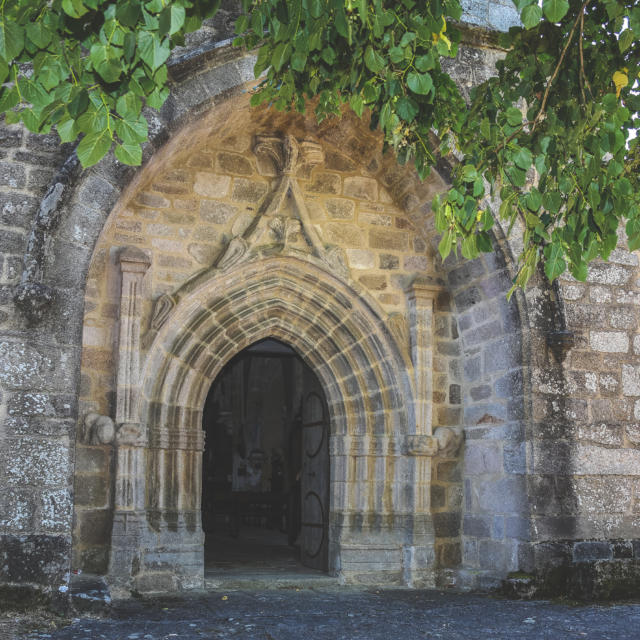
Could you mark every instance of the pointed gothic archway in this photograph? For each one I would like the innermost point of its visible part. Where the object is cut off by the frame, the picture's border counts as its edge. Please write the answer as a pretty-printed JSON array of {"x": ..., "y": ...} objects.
[
  {"x": 265, "y": 470},
  {"x": 380, "y": 526}
]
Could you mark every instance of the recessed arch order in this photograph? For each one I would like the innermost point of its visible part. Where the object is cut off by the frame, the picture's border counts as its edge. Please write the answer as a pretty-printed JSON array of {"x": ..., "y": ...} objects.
[{"x": 341, "y": 336}]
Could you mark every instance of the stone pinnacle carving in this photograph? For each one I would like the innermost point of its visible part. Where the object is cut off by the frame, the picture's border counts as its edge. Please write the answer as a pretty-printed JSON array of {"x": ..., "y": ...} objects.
[{"x": 286, "y": 153}]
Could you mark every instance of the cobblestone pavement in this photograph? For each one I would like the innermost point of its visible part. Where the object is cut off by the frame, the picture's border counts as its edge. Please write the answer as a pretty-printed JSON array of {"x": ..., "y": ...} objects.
[{"x": 350, "y": 614}]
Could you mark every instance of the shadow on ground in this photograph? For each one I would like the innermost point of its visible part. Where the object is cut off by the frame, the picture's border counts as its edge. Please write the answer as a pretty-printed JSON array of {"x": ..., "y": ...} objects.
[{"x": 342, "y": 613}]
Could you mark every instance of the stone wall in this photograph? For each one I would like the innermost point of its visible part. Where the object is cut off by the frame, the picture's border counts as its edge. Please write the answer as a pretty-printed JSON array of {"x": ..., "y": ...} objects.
[
  {"x": 545, "y": 386},
  {"x": 38, "y": 400}
]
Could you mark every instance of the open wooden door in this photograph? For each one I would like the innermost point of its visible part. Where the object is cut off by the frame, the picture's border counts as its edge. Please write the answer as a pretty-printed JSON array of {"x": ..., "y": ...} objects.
[{"x": 314, "y": 481}]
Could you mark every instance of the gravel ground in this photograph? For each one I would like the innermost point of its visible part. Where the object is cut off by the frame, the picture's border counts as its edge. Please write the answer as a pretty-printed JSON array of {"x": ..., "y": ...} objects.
[{"x": 343, "y": 614}]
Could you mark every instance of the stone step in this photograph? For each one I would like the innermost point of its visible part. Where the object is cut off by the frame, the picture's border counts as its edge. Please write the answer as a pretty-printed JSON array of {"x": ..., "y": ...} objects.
[
  {"x": 254, "y": 580},
  {"x": 89, "y": 594}
]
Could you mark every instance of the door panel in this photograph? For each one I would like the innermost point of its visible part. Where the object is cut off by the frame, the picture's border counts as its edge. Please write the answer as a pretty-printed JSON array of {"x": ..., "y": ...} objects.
[{"x": 315, "y": 476}]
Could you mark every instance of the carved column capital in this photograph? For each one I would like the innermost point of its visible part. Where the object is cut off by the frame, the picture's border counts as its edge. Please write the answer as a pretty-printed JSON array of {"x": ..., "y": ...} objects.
[
  {"x": 423, "y": 292},
  {"x": 133, "y": 260}
]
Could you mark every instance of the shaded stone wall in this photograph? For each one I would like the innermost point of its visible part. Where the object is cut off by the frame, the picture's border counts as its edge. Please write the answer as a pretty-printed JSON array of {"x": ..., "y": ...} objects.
[{"x": 586, "y": 454}]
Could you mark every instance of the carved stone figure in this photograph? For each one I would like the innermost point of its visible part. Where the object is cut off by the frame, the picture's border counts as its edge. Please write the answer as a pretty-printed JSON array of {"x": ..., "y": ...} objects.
[{"x": 98, "y": 429}]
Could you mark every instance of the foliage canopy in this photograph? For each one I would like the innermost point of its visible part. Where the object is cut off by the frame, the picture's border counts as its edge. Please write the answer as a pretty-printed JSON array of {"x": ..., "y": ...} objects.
[{"x": 551, "y": 136}]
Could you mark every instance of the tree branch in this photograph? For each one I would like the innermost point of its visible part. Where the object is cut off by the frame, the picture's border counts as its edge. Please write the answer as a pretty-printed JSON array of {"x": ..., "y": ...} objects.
[{"x": 557, "y": 69}]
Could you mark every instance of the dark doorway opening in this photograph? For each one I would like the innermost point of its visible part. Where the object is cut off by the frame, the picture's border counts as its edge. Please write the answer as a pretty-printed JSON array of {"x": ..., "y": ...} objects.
[{"x": 265, "y": 470}]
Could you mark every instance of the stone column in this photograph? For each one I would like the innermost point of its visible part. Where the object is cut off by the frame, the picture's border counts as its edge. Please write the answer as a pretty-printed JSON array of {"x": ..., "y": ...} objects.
[
  {"x": 129, "y": 520},
  {"x": 133, "y": 265},
  {"x": 421, "y": 296},
  {"x": 418, "y": 553}
]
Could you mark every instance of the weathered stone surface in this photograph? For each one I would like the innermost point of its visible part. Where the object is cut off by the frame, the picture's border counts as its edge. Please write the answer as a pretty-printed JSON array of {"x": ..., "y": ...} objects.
[
  {"x": 39, "y": 559},
  {"x": 340, "y": 208},
  {"x": 212, "y": 185},
  {"x": 609, "y": 341},
  {"x": 630, "y": 380},
  {"x": 36, "y": 462},
  {"x": 552, "y": 443}
]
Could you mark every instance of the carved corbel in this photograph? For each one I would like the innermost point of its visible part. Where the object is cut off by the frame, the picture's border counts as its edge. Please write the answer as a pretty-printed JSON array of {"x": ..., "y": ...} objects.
[
  {"x": 449, "y": 440},
  {"x": 98, "y": 429},
  {"x": 445, "y": 443}
]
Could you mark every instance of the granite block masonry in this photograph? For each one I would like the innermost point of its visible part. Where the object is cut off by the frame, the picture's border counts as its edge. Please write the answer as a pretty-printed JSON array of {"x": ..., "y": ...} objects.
[{"x": 472, "y": 438}]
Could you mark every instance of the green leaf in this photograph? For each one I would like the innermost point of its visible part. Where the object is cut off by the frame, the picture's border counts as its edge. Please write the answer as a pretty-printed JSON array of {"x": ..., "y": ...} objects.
[
  {"x": 357, "y": 104},
  {"x": 407, "y": 108},
  {"x": 531, "y": 16},
  {"x": 555, "y": 10},
  {"x": 132, "y": 132},
  {"x": 11, "y": 40},
  {"x": 514, "y": 116},
  {"x": 280, "y": 55},
  {"x": 158, "y": 97},
  {"x": 129, "y": 154},
  {"x": 579, "y": 271},
  {"x": 407, "y": 38},
  {"x": 298, "y": 60},
  {"x": 396, "y": 54},
  {"x": 171, "y": 19},
  {"x": 152, "y": 51},
  {"x": 31, "y": 120},
  {"x": 425, "y": 63},
  {"x": 468, "y": 248},
  {"x": 446, "y": 243},
  {"x": 420, "y": 83},
  {"x": 38, "y": 33},
  {"x": 74, "y": 8},
  {"x": 523, "y": 158},
  {"x": 67, "y": 130},
  {"x": 93, "y": 120},
  {"x": 469, "y": 173},
  {"x": 78, "y": 104},
  {"x": 534, "y": 200},
  {"x": 316, "y": 8},
  {"x": 554, "y": 263},
  {"x": 374, "y": 61},
  {"x": 93, "y": 147},
  {"x": 105, "y": 61},
  {"x": 128, "y": 12},
  {"x": 625, "y": 40},
  {"x": 129, "y": 105}
]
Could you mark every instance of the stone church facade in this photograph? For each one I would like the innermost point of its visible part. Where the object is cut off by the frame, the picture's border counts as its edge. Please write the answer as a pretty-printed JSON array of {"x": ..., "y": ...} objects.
[{"x": 473, "y": 440}]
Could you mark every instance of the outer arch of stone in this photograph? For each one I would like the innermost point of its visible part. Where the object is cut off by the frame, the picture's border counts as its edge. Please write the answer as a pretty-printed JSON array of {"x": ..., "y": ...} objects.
[{"x": 96, "y": 194}]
